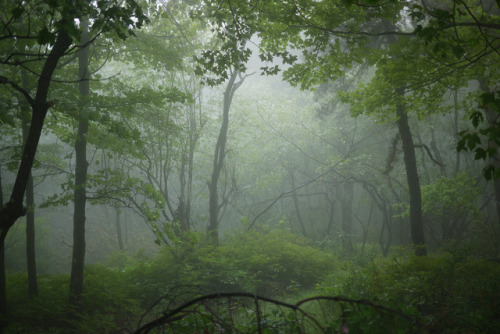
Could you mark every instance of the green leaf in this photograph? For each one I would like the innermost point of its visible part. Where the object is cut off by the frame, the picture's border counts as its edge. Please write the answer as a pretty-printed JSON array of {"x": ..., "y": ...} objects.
[
  {"x": 17, "y": 12},
  {"x": 46, "y": 37},
  {"x": 480, "y": 154},
  {"x": 458, "y": 51},
  {"x": 489, "y": 172}
]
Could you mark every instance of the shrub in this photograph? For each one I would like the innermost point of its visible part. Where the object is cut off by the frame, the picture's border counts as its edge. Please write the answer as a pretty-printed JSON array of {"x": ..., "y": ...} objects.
[
  {"x": 106, "y": 305},
  {"x": 449, "y": 293}
]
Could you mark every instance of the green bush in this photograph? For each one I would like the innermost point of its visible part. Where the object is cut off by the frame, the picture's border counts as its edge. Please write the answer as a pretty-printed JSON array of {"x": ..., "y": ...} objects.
[
  {"x": 269, "y": 263},
  {"x": 106, "y": 305},
  {"x": 449, "y": 293},
  {"x": 278, "y": 261}
]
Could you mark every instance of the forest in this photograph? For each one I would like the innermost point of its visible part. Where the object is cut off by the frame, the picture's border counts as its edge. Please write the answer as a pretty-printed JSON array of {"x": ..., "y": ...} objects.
[{"x": 246, "y": 166}]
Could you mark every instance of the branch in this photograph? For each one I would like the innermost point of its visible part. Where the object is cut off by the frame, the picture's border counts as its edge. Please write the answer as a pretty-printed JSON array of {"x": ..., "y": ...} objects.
[
  {"x": 285, "y": 193},
  {"x": 184, "y": 310},
  {"x": 6, "y": 81},
  {"x": 429, "y": 153}
]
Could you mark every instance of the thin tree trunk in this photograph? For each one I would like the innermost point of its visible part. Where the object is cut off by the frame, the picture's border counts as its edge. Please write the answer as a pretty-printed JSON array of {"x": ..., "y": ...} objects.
[
  {"x": 331, "y": 214},
  {"x": 193, "y": 139},
  {"x": 219, "y": 155},
  {"x": 385, "y": 245},
  {"x": 366, "y": 228},
  {"x": 30, "y": 201},
  {"x": 416, "y": 222},
  {"x": 81, "y": 166},
  {"x": 295, "y": 199},
  {"x": 346, "y": 200},
  {"x": 119, "y": 229}
]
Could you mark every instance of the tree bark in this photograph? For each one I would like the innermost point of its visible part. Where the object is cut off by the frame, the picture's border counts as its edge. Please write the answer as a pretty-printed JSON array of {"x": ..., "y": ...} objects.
[
  {"x": 416, "y": 222},
  {"x": 81, "y": 166},
  {"x": 3, "y": 296},
  {"x": 12, "y": 210},
  {"x": 30, "y": 201},
  {"x": 219, "y": 155}
]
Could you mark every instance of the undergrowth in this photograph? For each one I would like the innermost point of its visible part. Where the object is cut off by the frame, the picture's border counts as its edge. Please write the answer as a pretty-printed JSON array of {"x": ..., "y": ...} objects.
[{"x": 447, "y": 292}]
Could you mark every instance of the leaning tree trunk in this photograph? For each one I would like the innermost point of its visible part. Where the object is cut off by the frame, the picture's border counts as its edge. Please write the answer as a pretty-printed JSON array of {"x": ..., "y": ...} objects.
[
  {"x": 416, "y": 222},
  {"x": 81, "y": 165},
  {"x": 12, "y": 210},
  {"x": 219, "y": 155}
]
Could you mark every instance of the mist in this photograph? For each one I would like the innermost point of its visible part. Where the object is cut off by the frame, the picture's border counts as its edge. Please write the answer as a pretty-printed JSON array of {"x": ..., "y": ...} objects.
[{"x": 248, "y": 167}]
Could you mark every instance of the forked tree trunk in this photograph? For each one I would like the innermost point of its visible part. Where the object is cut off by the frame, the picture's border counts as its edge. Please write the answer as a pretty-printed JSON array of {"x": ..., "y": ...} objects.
[{"x": 219, "y": 155}]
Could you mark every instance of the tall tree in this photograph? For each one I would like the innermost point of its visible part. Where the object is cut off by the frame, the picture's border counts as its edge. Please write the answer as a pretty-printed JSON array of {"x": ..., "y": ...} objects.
[
  {"x": 219, "y": 155},
  {"x": 81, "y": 165},
  {"x": 413, "y": 179},
  {"x": 49, "y": 29},
  {"x": 14, "y": 208},
  {"x": 30, "y": 200},
  {"x": 335, "y": 36}
]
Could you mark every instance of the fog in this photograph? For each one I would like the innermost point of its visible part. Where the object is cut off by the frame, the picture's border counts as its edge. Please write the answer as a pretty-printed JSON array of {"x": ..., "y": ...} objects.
[{"x": 247, "y": 167}]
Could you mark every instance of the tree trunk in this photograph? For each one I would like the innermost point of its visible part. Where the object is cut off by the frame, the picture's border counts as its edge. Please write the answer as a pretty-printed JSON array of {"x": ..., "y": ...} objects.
[
  {"x": 295, "y": 199},
  {"x": 346, "y": 200},
  {"x": 30, "y": 201},
  {"x": 416, "y": 223},
  {"x": 81, "y": 165},
  {"x": 193, "y": 139},
  {"x": 11, "y": 211},
  {"x": 3, "y": 296},
  {"x": 119, "y": 230},
  {"x": 182, "y": 214},
  {"x": 331, "y": 213},
  {"x": 220, "y": 152}
]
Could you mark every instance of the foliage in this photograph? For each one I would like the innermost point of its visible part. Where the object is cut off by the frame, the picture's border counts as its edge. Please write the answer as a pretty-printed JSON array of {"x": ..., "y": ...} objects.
[
  {"x": 485, "y": 138},
  {"x": 450, "y": 207},
  {"x": 249, "y": 313},
  {"x": 106, "y": 307},
  {"x": 447, "y": 292},
  {"x": 451, "y": 292},
  {"x": 271, "y": 263},
  {"x": 457, "y": 194}
]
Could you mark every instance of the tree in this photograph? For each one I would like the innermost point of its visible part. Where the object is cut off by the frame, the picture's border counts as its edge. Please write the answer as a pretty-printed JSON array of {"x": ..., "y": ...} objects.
[
  {"x": 30, "y": 200},
  {"x": 50, "y": 36},
  {"x": 81, "y": 165},
  {"x": 219, "y": 155},
  {"x": 334, "y": 37}
]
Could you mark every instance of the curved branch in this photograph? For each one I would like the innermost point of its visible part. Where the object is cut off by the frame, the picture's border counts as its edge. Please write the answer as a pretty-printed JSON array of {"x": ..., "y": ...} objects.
[{"x": 183, "y": 310}]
